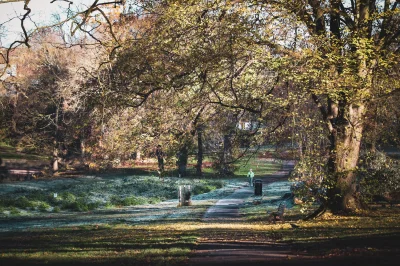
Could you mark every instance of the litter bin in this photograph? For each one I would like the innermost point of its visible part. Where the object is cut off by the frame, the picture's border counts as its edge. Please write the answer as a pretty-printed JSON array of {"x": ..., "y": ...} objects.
[
  {"x": 258, "y": 187},
  {"x": 185, "y": 195}
]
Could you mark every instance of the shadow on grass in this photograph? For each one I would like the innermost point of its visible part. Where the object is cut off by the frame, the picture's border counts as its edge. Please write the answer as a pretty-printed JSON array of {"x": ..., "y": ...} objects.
[
  {"x": 96, "y": 245},
  {"x": 168, "y": 244}
]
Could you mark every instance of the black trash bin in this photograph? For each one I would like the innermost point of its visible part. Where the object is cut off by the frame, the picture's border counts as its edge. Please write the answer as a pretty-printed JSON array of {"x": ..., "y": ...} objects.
[{"x": 258, "y": 187}]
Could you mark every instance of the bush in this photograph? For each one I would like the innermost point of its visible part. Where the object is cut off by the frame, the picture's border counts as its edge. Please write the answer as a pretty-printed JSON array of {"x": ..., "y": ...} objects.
[
  {"x": 128, "y": 201},
  {"x": 14, "y": 211},
  {"x": 43, "y": 206},
  {"x": 68, "y": 200},
  {"x": 109, "y": 205},
  {"x": 205, "y": 186},
  {"x": 38, "y": 196},
  {"x": 131, "y": 201},
  {"x": 24, "y": 203},
  {"x": 378, "y": 175},
  {"x": 310, "y": 180},
  {"x": 202, "y": 188}
]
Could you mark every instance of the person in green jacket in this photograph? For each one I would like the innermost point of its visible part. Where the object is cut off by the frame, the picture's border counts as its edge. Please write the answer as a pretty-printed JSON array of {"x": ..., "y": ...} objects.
[{"x": 250, "y": 175}]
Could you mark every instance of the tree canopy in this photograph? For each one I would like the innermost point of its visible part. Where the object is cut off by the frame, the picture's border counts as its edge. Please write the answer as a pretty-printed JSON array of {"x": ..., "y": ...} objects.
[{"x": 318, "y": 74}]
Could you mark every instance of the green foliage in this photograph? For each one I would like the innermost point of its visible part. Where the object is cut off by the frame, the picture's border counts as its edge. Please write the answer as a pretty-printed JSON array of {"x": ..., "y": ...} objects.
[
  {"x": 38, "y": 195},
  {"x": 200, "y": 189},
  {"x": 205, "y": 186},
  {"x": 24, "y": 203},
  {"x": 310, "y": 180},
  {"x": 81, "y": 205},
  {"x": 128, "y": 201},
  {"x": 90, "y": 194},
  {"x": 378, "y": 175},
  {"x": 14, "y": 211},
  {"x": 68, "y": 200},
  {"x": 43, "y": 207}
]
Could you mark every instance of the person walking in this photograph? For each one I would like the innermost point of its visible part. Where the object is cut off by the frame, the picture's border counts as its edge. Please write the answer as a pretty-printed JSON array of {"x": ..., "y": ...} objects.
[{"x": 250, "y": 175}]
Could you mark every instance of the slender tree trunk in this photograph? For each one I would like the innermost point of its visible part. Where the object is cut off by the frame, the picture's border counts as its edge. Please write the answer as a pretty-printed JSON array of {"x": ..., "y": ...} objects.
[
  {"x": 55, "y": 158},
  {"x": 83, "y": 148},
  {"x": 227, "y": 155},
  {"x": 183, "y": 160},
  {"x": 138, "y": 155},
  {"x": 199, "y": 153},
  {"x": 56, "y": 144}
]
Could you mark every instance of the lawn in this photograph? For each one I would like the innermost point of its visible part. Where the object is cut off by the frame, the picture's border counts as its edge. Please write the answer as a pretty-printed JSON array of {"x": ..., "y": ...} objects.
[
  {"x": 135, "y": 221},
  {"x": 372, "y": 233}
]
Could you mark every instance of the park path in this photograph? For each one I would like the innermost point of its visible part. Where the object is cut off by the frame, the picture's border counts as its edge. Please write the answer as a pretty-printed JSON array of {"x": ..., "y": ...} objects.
[
  {"x": 227, "y": 211},
  {"x": 228, "y": 208}
]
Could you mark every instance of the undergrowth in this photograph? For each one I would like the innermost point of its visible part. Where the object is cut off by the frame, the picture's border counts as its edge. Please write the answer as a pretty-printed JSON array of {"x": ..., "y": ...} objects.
[{"x": 93, "y": 193}]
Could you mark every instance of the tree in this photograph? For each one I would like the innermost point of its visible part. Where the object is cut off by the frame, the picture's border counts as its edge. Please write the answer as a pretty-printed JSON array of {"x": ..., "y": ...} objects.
[
  {"x": 332, "y": 51},
  {"x": 354, "y": 43},
  {"x": 265, "y": 58},
  {"x": 92, "y": 21}
]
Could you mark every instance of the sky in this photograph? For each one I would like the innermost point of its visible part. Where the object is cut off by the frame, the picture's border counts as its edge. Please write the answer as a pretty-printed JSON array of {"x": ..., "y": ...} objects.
[{"x": 42, "y": 13}]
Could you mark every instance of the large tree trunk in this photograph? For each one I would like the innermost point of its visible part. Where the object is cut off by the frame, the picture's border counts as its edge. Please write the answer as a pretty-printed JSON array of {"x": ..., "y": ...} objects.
[{"x": 346, "y": 140}]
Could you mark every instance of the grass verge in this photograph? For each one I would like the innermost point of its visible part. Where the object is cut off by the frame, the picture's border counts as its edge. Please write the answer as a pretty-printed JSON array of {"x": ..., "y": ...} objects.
[{"x": 369, "y": 234}]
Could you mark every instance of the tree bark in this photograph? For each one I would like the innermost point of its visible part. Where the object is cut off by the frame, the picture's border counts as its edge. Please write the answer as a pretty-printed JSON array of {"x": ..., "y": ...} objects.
[
  {"x": 55, "y": 159},
  {"x": 183, "y": 160},
  {"x": 227, "y": 155},
  {"x": 199, "y": 153},
  {"x": 346, "y": 139}
]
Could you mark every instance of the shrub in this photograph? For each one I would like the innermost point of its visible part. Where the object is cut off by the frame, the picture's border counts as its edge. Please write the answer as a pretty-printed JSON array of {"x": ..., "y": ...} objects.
[
  {"x": 38, "y": 196},
  {"x": 202, "y": 188},
  {"x": 43, "y": 206},
  {"x": 131, "y": 201},
  {"x": 24, "y": 203},
  {"x": 128, "y": 201},
  {"x": 205, "y": 186},
  {"x": 68, "y": 200},
  {"x": 154, "y": 200},
  {"x": 109, "y": 205},
  {"x": 378, "y": 175},
  {"x": 14, "y": 211},
  {"x": 78, "y": 205}
]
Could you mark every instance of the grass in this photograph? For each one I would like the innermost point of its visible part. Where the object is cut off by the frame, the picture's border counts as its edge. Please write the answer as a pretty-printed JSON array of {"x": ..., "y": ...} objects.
[
  {"x": 122, "y": 188},
  {"x": 100, "y": 245},
  {"x": 87, "y": 194},
  {"x": 8, "y": 152},
  {"x": 374, "y": 232},
  {"x": 369, "y": 233},
  {"x": 260, "y": 167}
]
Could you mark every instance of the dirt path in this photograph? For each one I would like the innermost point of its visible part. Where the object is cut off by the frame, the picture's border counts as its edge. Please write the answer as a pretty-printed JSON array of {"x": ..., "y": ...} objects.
[{"x": 227, "y": 211}]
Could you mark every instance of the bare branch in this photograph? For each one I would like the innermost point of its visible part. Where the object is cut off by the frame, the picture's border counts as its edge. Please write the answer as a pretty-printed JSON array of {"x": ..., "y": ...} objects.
[{"x": 10, "y": 1}]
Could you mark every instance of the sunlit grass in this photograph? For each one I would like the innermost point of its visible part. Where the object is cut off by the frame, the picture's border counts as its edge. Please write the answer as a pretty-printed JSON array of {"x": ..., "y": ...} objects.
[
  {"x": 9, "y": 152},
  {"x": 170, "y": 243},
  {"x": 261, "y": 167}
]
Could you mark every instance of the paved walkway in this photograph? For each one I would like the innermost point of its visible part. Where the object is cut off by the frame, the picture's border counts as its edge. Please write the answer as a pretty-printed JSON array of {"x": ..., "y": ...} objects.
[
  {"x": 227, "y": 211},
  {"x": 228, "y": 208}
]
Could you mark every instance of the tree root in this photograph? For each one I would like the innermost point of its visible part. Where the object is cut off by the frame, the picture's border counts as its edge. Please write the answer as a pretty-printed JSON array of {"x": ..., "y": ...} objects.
[{"x": 318, "y": 212}]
